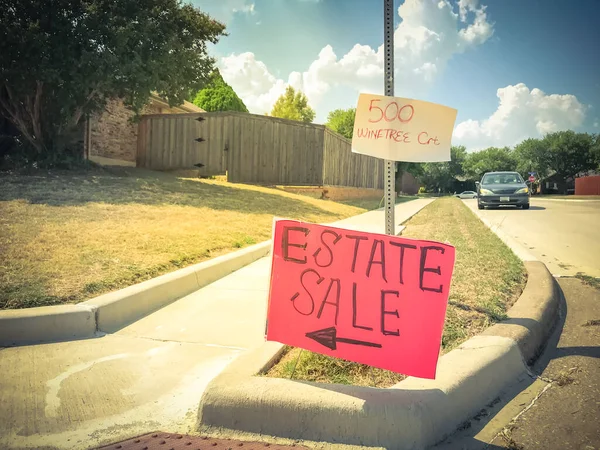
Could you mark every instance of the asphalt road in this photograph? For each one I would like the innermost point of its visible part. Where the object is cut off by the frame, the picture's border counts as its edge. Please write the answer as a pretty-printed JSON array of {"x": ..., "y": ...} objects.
[
  {"x": 558, "y": 407},
  {"x": 564, "y": 234}
]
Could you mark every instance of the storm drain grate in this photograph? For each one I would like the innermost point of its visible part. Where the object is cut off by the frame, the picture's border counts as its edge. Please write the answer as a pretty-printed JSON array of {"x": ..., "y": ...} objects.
[{"x": 168, "y": 441}]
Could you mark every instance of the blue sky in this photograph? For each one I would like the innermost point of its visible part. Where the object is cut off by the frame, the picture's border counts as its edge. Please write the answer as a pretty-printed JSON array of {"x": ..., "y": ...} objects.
[{"x": 512, "y": 68}]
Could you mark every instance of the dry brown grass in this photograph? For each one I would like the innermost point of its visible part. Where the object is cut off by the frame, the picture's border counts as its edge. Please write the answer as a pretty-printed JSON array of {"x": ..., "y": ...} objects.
[
  {"x": 487, "y": 280},
  {"x": 69, "y": 236}
]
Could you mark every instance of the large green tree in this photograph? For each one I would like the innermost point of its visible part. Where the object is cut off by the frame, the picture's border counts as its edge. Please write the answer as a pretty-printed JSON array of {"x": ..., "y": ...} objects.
[
  {"x": 532, "y": 156},
  {"x": 217, "y": 95},
  {"x": 489, "y": 160},
  {"x": 63, "y": 59},
  {"x": 342, "y": 121},
  {"x": 445, "y": 176},
  {"x": 294, "y": 106},
  {"x": 570, "y": 153}
]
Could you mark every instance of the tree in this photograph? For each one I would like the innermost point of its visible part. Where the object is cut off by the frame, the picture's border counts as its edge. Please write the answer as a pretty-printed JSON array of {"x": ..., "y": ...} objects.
[
  {"x": 532, "y": 156},
  {"x": 445, "y": 176},
  {"x": 489, "y": 160},
  {"x": 569, "y": 153},
  {"x": 294, "y": 106},
  {"x": 596, "y": 151},
  {"x": 63, "y": 59},
  {"x": 342, "y": 121},
  {"x": 217, "y": 95}
]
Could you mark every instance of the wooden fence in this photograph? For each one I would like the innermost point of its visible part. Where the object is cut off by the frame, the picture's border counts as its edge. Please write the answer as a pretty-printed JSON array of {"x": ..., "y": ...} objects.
[
  {"x": 267, "y": 150},
  {"x": 254, "y": 149},
  {"x": 177, "y": 141},
  {"x": 341, "y": 167},
  {"x": 589, "y": 185}
]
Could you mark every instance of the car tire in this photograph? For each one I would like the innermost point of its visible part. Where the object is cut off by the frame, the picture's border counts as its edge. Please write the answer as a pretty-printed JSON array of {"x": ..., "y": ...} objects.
[
  {"x": 480, "y": 206},
  {"x": 525, "y": 206}
]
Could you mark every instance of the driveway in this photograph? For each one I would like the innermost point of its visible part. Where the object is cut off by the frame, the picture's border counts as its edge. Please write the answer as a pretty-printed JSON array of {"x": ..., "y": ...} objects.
[{"x": 564, "y": 234}]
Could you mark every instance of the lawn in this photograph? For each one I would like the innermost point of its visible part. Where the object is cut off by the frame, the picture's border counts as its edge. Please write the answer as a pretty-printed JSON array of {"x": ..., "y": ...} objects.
[
  {"x": 488, "y": 279},
  {"x": 70, "y": 236}
]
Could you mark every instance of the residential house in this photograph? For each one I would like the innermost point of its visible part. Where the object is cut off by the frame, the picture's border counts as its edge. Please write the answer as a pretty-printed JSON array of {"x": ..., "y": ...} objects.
[{"x": 112, "y": 134}]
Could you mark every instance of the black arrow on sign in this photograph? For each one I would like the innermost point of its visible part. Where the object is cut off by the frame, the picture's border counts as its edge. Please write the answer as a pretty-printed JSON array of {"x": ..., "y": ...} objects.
[{"x": 328, "y": 338}]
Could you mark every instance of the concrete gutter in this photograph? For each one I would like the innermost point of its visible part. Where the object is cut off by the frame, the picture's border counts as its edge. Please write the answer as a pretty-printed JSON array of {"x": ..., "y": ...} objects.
[
  {"x": 110, "y": 312},
  {"x": 413, "y": 414}
]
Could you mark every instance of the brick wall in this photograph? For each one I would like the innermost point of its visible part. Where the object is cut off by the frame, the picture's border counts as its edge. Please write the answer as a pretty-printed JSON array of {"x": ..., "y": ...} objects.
[{"x": 114, "y": 135}]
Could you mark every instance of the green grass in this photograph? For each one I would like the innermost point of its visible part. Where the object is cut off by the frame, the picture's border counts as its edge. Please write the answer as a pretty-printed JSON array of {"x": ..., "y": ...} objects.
[
  {"x": 487, "y": 280},
  {"x": 589, "y": 280},
  {"x": 68, "y": 236}
]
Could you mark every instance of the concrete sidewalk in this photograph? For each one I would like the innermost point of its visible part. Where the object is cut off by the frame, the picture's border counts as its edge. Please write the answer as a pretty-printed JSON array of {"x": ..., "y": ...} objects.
[{"x": 147, "y": 376}]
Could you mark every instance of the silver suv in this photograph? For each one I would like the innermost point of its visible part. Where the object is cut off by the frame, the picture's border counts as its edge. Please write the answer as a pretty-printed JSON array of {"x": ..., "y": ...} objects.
[{"x": 502, "y": 188}]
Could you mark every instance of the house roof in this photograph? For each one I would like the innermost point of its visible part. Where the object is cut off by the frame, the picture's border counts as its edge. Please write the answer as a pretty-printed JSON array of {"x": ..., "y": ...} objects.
[{"x": 185, "y": 107}]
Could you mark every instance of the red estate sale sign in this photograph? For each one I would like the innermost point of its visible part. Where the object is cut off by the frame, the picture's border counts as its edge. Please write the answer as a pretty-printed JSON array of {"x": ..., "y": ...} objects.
[{"x": 370, "y": 298}]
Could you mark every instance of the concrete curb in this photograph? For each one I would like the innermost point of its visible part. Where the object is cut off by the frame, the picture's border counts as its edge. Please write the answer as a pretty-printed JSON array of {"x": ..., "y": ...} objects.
[
  {"x": 413, "y": 414},
  {"x": 532, "y": 317},
  {"x": 46, "y": 323},
  {"x": 110, "y": 312}
]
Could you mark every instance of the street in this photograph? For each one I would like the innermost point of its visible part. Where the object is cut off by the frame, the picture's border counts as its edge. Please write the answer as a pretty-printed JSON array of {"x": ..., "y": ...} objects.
[
  {"x": 559, "y": 406},
  {"x": 563, "y": 234}
]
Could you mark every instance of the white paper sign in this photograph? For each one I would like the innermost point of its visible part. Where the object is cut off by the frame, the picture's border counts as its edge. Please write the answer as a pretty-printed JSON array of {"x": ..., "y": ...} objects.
[{"x": 402, "y": 129}]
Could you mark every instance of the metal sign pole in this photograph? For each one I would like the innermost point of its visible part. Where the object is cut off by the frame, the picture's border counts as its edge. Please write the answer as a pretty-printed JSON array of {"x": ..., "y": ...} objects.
[{"x": 390, "y": 166}]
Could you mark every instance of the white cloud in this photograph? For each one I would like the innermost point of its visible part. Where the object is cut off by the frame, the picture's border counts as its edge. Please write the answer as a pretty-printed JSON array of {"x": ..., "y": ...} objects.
[
  {"x": 596, "y": 123},
  {"x": 521, "y": 113},
  {"x": 252, "y": 81},
  {"x": 246, "y": 8},
  {"x": 428, "y": 36}
]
